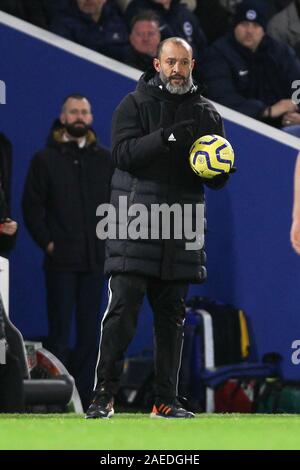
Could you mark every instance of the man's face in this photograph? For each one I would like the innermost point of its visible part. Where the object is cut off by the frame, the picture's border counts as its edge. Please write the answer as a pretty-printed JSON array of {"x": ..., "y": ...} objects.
[
  {"x": 77, "y": 117},
  {"x": 249, "y": 34},
  {"x": 90, "y": 7},
  {"x": 175, "y": 67},
  {"x": 145, "y": 37}
]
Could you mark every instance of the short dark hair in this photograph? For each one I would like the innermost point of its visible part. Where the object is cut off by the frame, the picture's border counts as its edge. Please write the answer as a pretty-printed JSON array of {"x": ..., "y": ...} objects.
[
  {"x": 174, "y": 40},
  {"x": 74, "y": 96},
  {"x": 146, "y": 15}
]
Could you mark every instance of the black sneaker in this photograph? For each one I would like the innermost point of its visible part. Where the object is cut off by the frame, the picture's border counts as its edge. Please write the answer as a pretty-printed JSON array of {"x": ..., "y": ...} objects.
[
  {"x": 101, "y": 407},
  {"x": 175, "y": 410}
]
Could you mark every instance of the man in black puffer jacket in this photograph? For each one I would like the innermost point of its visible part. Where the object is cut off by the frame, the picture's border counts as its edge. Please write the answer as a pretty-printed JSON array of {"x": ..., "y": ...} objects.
[
  {"x": 153, "y": 130},
  {"x": 65, "y": 184}
]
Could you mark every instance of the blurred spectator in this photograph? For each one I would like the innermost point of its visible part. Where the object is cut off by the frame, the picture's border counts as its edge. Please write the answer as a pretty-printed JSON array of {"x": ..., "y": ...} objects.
[
  {"x": 228, "y": 5},
  {"x": 144, "y": 39},
  {"x": 275, "y": 6},
  {"x": 38, "y": 12},
  {"x": 285, "y": 26},
  {"x": 8, "y": 227},
  {"x": 271, "y": 6},
  {"x": 42, "y": 12},
  {"x": 66, "y": 183},
  {"x": 123, "y": 4},
  {"x": 191, "y": 4},
  {"x": 175, "y": 20},
  {"x": 13, "y": 7},
  {"x": 252, "y": 73},
  {"x": 96, "y": 24},
  {"x": 211, "y": 12}
]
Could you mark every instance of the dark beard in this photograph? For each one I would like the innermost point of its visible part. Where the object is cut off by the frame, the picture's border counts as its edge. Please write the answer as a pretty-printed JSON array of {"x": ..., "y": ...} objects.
[{"x": 77, "y": 131}]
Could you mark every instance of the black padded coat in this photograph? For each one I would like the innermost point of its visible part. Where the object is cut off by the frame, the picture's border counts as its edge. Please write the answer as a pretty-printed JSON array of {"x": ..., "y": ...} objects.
[{"x": 149, "y": 172}]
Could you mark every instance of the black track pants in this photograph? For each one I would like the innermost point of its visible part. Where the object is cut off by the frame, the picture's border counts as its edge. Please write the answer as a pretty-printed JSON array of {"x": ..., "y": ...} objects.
[{"x": 119, "y": 325}]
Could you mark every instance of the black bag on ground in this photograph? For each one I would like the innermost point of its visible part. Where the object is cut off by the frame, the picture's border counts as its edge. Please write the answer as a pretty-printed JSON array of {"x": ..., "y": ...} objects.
[{"x": 230, "y": 334}]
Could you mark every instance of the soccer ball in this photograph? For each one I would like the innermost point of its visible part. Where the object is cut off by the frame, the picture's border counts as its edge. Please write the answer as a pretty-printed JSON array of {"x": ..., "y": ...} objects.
[{"x": 211, "y": 155}]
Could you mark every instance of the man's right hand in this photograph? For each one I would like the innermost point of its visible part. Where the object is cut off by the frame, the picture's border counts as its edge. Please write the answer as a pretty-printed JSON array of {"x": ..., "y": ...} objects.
[{"x": 50, "y": 248}]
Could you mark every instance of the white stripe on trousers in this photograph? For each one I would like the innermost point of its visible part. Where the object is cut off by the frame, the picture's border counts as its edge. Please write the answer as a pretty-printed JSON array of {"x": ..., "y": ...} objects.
[{"x": 101, "y": 330}]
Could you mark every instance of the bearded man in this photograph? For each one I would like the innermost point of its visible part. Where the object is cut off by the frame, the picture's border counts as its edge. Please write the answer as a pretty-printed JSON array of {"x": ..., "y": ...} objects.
[
  {"x": 152, "y": 132},
  {"x": 66, "y": 183}
]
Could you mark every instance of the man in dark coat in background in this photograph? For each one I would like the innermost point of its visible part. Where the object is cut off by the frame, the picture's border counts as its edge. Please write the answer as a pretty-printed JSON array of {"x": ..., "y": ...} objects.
[
  {"x": 8, "y": 227},
  {"x": 153, "y": 130},
  {"x": 11, "y": 380},
  {"x": 38, "y": 12},
  {"x": 175, "y": 20},
  {"x": 144, "y": 39},
  {"x": 96, "y": 24},
  {"x": 252, "y": 73},
  {"x": 65, "y": 184}
]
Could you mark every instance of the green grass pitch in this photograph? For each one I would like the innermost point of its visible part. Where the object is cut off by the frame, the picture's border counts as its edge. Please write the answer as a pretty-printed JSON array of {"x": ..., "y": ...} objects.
[{"x": 138, "y": 431}]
